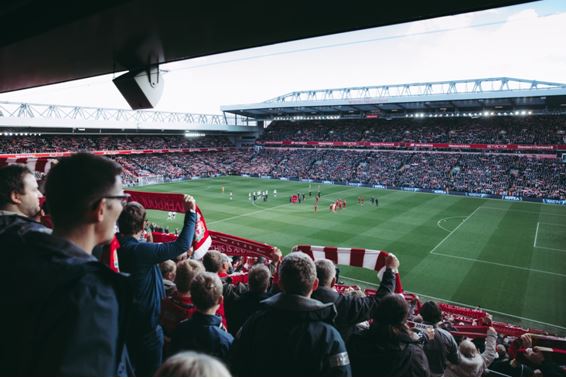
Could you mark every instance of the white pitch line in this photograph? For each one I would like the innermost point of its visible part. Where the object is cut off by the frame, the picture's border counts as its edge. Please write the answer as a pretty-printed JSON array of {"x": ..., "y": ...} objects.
[
  {"x": 536, "y": 236},
  {"x": 456, "y": 228},
  {"x": 268, "y": 209},
  {"x": 441, "y": 227},
  {"x": 462, "y": 304},
  {"x": 444, "y": 219},
  {"x": 501, "y": 264}
]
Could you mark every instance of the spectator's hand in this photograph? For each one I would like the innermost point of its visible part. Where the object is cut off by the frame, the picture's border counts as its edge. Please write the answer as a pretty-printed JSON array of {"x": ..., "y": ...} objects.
[
  {"x": 190, "y": 203},
  {"x": 392, "y": 262},
  {"x": 527, "y": 340}
]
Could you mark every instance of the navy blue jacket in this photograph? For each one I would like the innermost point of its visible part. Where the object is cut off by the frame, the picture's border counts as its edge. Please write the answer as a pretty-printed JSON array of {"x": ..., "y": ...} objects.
[
  {"x": 242, "y": 308},
  {"x": 202, "y": 333},
  {"x": 69, "y": 316},
  {"x": 141, "y": 260},
  {"x": 292, "y": 336}
]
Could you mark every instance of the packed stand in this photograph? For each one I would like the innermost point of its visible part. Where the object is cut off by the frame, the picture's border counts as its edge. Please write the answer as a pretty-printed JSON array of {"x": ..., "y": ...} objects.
[
  {"x": 503, "y": 174},
  {"x": 61, "y": 143},
  {"x": 540, "y": 130}
]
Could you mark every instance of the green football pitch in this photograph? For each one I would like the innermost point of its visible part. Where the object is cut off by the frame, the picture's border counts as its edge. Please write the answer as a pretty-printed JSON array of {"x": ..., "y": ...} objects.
[{"x": 507, "y": 257}]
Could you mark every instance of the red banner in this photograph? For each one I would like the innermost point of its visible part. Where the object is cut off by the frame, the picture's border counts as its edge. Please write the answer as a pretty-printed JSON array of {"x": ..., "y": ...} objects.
[
  {"x": 172, "y": 202},
  {"x": 227, "y": 244},
  {"x": 453, "y": 146},
  {"x": 234, "y": 245}
]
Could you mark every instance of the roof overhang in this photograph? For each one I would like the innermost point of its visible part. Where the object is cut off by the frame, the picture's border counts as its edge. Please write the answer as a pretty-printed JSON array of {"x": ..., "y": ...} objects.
[{"x": 46, "y": 42}]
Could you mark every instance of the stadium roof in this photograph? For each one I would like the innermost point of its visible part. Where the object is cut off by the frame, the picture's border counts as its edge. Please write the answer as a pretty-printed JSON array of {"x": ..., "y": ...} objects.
[
  {"x": 52, "y": 41},
  {"x": 501, "y": 95}
]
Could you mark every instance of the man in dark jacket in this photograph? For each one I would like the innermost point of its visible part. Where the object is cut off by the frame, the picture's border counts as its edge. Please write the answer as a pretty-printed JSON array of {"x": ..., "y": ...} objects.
[
  {"x": 19, "y": 200},
  {"x": 442, "y": 348},
  {"x": 202, "y": 332},
  {"x": 259, "y": 280},
  {"x": 141, "y": 260},
  {"x": 293, "y": 328},
  {"x": 69, "y": 317},
  {"x": 351, "y": 310}
]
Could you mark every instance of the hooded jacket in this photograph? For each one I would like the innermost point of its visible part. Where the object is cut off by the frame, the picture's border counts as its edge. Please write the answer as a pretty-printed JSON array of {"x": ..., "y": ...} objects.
[
  {"x": 375, "y": 354},
  {"x": 69, "y": 317},
  {"x": 292, "y": 336}
]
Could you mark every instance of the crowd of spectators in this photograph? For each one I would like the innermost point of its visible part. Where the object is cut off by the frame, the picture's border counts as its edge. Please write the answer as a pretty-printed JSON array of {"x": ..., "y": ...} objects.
[
  {"x": 496, "y": 174},
  {"x": 540, "y": 130},
  {"x": 289, "y": 319},
  {"x": 61, "y": 143}
]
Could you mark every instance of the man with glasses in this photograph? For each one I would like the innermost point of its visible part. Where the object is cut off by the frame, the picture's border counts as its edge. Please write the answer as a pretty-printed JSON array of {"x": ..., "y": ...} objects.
[
  {"x": 141, "y": 260},
  {"x": 68, "y": 318}
]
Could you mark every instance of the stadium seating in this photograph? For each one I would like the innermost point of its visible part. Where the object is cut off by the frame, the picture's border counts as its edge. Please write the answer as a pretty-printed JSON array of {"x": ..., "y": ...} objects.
[
  {"x": 540, "y": 130},
  {"x": 55, "y": 143},
  {"x": 503, "y": 174}
]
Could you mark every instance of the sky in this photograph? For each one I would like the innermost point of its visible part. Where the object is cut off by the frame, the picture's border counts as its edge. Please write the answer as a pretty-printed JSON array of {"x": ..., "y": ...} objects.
[{"x": 521, "y": 41}]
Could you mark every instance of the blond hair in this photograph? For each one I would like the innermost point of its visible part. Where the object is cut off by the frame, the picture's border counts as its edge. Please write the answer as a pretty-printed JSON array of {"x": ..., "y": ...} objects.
[{"x": 192, "y": 364}]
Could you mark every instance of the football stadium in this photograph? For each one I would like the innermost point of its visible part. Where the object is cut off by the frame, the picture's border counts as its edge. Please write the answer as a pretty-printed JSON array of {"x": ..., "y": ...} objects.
[{"x": 410, "y": 228}]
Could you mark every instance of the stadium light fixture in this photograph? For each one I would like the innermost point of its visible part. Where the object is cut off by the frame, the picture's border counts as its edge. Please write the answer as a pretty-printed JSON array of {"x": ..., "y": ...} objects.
[{"x": 530, "y": 112}]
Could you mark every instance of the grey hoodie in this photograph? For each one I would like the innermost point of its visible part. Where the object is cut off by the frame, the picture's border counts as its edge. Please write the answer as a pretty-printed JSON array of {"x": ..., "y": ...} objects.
[{"x": 476, "y": 365}]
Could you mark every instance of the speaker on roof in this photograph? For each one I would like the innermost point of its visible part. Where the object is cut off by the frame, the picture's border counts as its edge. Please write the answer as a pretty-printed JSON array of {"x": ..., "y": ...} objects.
[{"x": 142, "y": 88}]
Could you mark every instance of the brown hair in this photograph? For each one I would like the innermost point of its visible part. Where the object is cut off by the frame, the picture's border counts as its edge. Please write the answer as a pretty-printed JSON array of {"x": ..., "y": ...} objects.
[
  {"x": 258, "y": 278},
  {"x": 297, "y": 274},
  {"x": 213, "y": 261},
  {"x": 206, "y": 290},
  {"x": 12, "y": 180},
  {"x": 132, "y": 218},
  {"x": 186, "y": 272},
  {"x": 75, "y": 184}
]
